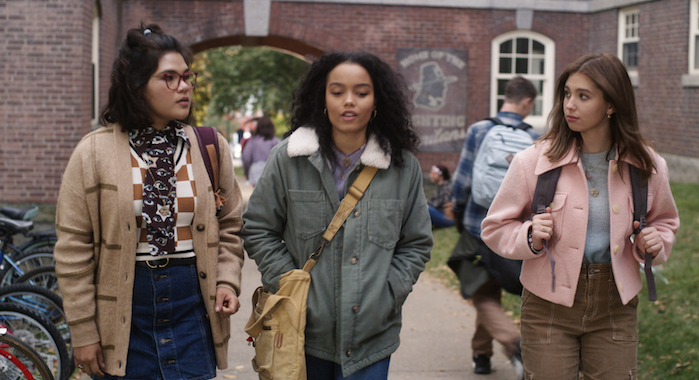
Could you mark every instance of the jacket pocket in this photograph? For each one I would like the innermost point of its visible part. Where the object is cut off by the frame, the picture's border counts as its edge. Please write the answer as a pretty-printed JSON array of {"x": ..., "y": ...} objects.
[
  {"x": 385, "y": 217},
  {"x": 306, "y": 210}
]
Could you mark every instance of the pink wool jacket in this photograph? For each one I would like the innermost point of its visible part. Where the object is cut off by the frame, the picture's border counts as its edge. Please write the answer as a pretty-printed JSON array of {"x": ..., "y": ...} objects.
[
  {"x": 505, "y": 229},
  {"x": 97, "y": 236}
]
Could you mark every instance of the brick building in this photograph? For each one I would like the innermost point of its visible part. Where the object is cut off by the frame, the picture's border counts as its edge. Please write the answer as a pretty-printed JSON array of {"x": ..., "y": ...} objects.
[{"x": 57, "y": 55}]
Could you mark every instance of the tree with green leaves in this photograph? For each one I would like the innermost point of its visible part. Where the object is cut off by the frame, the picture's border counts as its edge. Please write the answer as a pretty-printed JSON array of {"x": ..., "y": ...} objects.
[{"x": 236, "y": 78}]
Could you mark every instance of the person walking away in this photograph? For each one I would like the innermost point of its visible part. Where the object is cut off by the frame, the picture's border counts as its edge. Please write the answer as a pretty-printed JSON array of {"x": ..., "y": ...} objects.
[
  {"x": 350, "y": 110},
  {"x": 147, "y": 294},
  {"x": 440, "y": 205},
  {"x": 256, "y": 151},
  {"x": 491, "y": 321},
  {"x": 581, "y": 270}
]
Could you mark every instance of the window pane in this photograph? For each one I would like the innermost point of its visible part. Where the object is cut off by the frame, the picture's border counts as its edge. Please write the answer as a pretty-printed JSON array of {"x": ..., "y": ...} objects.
[
  {"x": 505, "y": 65},
  {"x": 500, "y": 103},
  {"x": 631, "y": 55},
  {"x": 501, "y": 87},
  {"x": 522, "y": 66},
  {"x": 696, "y": 52},
  {"x": 522, "y": 46},
  {"x": 538, "y": 109},
  {"x": 538, "y": 84},
  {"x": 538, "y": 47},
  {"x": 537, "y": 66},
  {"x": 506, "y": 47}
]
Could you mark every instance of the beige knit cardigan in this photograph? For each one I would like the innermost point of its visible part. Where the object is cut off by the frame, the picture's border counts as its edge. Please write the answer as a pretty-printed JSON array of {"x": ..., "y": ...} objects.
[{"x": 95, "y": 253}]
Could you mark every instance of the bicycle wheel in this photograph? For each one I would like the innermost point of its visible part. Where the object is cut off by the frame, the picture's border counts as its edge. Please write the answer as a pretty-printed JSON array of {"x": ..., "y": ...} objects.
[
  {"x": 13, "y": 268},
  {"x": 19, "y": 361},
  {"x": 40, "y": 334},
  {"x": 44, "y": 276},
  {"x": 43, "y": 240},
  {"x": 43, "y": 300}
]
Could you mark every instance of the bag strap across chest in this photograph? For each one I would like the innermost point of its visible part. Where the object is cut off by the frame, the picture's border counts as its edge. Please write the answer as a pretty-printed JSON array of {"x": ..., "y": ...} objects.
[{"x": 354, "y": 194}]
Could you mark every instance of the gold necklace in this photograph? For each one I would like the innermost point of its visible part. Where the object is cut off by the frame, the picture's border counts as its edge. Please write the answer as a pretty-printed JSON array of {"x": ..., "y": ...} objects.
[{"x": 594, "y": 191}]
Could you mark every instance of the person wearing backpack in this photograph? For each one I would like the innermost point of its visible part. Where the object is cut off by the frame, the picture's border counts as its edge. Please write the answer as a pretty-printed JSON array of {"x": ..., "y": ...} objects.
[
  {"x": 491, "y": 321},
  {"x": 581, "y": 255}
]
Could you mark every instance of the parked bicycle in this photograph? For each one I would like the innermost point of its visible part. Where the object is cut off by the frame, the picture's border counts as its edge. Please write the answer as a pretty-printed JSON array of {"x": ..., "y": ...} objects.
[
  {"x": 32, "y": 239},
  {"x": 40, "y": 334},
  {"x": 19, "y": 361}
]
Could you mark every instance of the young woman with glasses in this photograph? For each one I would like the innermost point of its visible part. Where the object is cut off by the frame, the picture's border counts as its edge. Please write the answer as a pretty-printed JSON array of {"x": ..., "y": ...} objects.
[{"x": 148, "y": 272}]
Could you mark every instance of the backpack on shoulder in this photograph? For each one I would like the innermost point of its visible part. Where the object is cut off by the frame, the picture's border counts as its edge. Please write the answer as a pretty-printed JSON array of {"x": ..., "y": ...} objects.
[
  {"x": 207, "y": 138},
  {"x": 543, "y": 196},
  {"x": 495, "y": 153}
]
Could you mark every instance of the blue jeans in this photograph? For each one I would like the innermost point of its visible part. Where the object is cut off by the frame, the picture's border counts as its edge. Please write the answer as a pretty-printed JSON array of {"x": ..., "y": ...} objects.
[
  {"x": 319, "y": 369},
  {"x": 438, "y": 218},
  {"x": 170, "y": 333}
]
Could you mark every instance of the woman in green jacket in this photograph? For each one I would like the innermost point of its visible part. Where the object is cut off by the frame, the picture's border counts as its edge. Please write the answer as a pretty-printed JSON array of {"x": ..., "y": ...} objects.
[{"x": 349, "y": 111}]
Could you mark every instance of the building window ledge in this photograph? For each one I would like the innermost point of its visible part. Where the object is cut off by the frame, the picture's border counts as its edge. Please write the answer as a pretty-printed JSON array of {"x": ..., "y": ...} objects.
[{"x": 690, "y": 80}]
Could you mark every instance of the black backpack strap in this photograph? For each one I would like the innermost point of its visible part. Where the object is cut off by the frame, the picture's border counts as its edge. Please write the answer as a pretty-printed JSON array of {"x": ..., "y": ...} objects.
[
  {"x": 543, "y": 196},
  {"x": 640, "y": 208},
  {"x": 545, "y": 190}
]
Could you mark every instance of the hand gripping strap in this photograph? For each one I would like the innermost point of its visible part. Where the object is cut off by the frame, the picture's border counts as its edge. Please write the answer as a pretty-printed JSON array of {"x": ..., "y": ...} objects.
[
  {"x": 640, "y": 208},
  {"x": 354, "y": 194},
  {"x": 543, "y": 196}
]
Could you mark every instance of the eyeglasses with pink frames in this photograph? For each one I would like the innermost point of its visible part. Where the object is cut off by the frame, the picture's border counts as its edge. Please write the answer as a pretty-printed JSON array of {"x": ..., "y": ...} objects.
[{"x": 173, "y": 79}]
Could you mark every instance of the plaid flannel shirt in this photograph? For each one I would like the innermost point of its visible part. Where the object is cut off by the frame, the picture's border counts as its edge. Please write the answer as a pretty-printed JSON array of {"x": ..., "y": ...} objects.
[{"x": 461, "y": 196}]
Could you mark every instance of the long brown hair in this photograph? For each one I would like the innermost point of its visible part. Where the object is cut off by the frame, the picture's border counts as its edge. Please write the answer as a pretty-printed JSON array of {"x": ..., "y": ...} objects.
[{"x": 609, "y": 74}]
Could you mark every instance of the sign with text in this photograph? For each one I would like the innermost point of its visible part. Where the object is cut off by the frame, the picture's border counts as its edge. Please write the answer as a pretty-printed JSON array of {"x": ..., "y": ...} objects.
[{"x": 438, "y": 81}]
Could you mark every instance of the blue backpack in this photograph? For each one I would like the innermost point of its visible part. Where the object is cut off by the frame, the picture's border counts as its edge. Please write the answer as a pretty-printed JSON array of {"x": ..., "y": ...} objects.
[{"x": 499, "y": 146}]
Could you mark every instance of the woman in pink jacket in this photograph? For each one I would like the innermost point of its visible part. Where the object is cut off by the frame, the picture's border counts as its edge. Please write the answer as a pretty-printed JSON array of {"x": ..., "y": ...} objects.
[{"x": 581, "y": 312}]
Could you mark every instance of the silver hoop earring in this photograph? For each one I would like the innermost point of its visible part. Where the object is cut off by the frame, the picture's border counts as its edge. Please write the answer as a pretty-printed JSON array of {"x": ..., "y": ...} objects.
[{"x": 325, "y": 111}]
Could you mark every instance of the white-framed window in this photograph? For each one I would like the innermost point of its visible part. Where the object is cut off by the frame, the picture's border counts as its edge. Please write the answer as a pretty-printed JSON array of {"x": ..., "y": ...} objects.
[
  {"x": 95, "y": 64},
  {"x": 694, "y": 37},
  {"x": 627, "y": 47},
  {"x": 531, "y": 55}
]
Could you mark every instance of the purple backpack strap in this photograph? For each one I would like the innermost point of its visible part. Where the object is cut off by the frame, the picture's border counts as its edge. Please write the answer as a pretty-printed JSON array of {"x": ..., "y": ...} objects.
[{"x": 207, "y": 137}]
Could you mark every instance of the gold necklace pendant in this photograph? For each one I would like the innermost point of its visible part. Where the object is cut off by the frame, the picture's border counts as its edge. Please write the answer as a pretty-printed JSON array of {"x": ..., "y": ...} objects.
[{"x": 594, "y": 192}]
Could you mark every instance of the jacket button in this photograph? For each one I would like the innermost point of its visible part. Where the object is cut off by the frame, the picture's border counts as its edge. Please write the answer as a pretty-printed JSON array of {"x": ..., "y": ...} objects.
[
  {"x": 354, "y": 260},
  {"x": 616, "y": 209},
  {"x": 355, "y": 308},
  {"x": 357, "y": 213},
  {"x": 201, "y": 227},
  {"x": 349, "y": 353},
  {"x": 202, "y": 275}
]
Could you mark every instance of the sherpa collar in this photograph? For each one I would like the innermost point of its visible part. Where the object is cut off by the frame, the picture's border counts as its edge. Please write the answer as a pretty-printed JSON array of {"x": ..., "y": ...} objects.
[{"x": 304, "y": 142}]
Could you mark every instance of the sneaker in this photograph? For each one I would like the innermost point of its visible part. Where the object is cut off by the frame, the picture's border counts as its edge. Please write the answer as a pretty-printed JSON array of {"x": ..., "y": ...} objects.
[
  {"x": 481, "y": 364},
  {"x": 518, "y": 365}
]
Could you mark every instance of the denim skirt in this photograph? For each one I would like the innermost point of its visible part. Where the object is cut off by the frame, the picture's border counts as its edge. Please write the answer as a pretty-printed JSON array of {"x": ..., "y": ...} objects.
[{"x": 170, "y": 332}]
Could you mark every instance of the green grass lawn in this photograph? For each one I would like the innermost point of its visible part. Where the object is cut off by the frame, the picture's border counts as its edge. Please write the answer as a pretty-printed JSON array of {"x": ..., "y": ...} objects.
[{"x": 669, "y": 327}]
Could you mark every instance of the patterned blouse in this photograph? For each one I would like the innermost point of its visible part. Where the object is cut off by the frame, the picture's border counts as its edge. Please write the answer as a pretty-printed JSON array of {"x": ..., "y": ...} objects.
[{"x": 184, "y": 204}]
